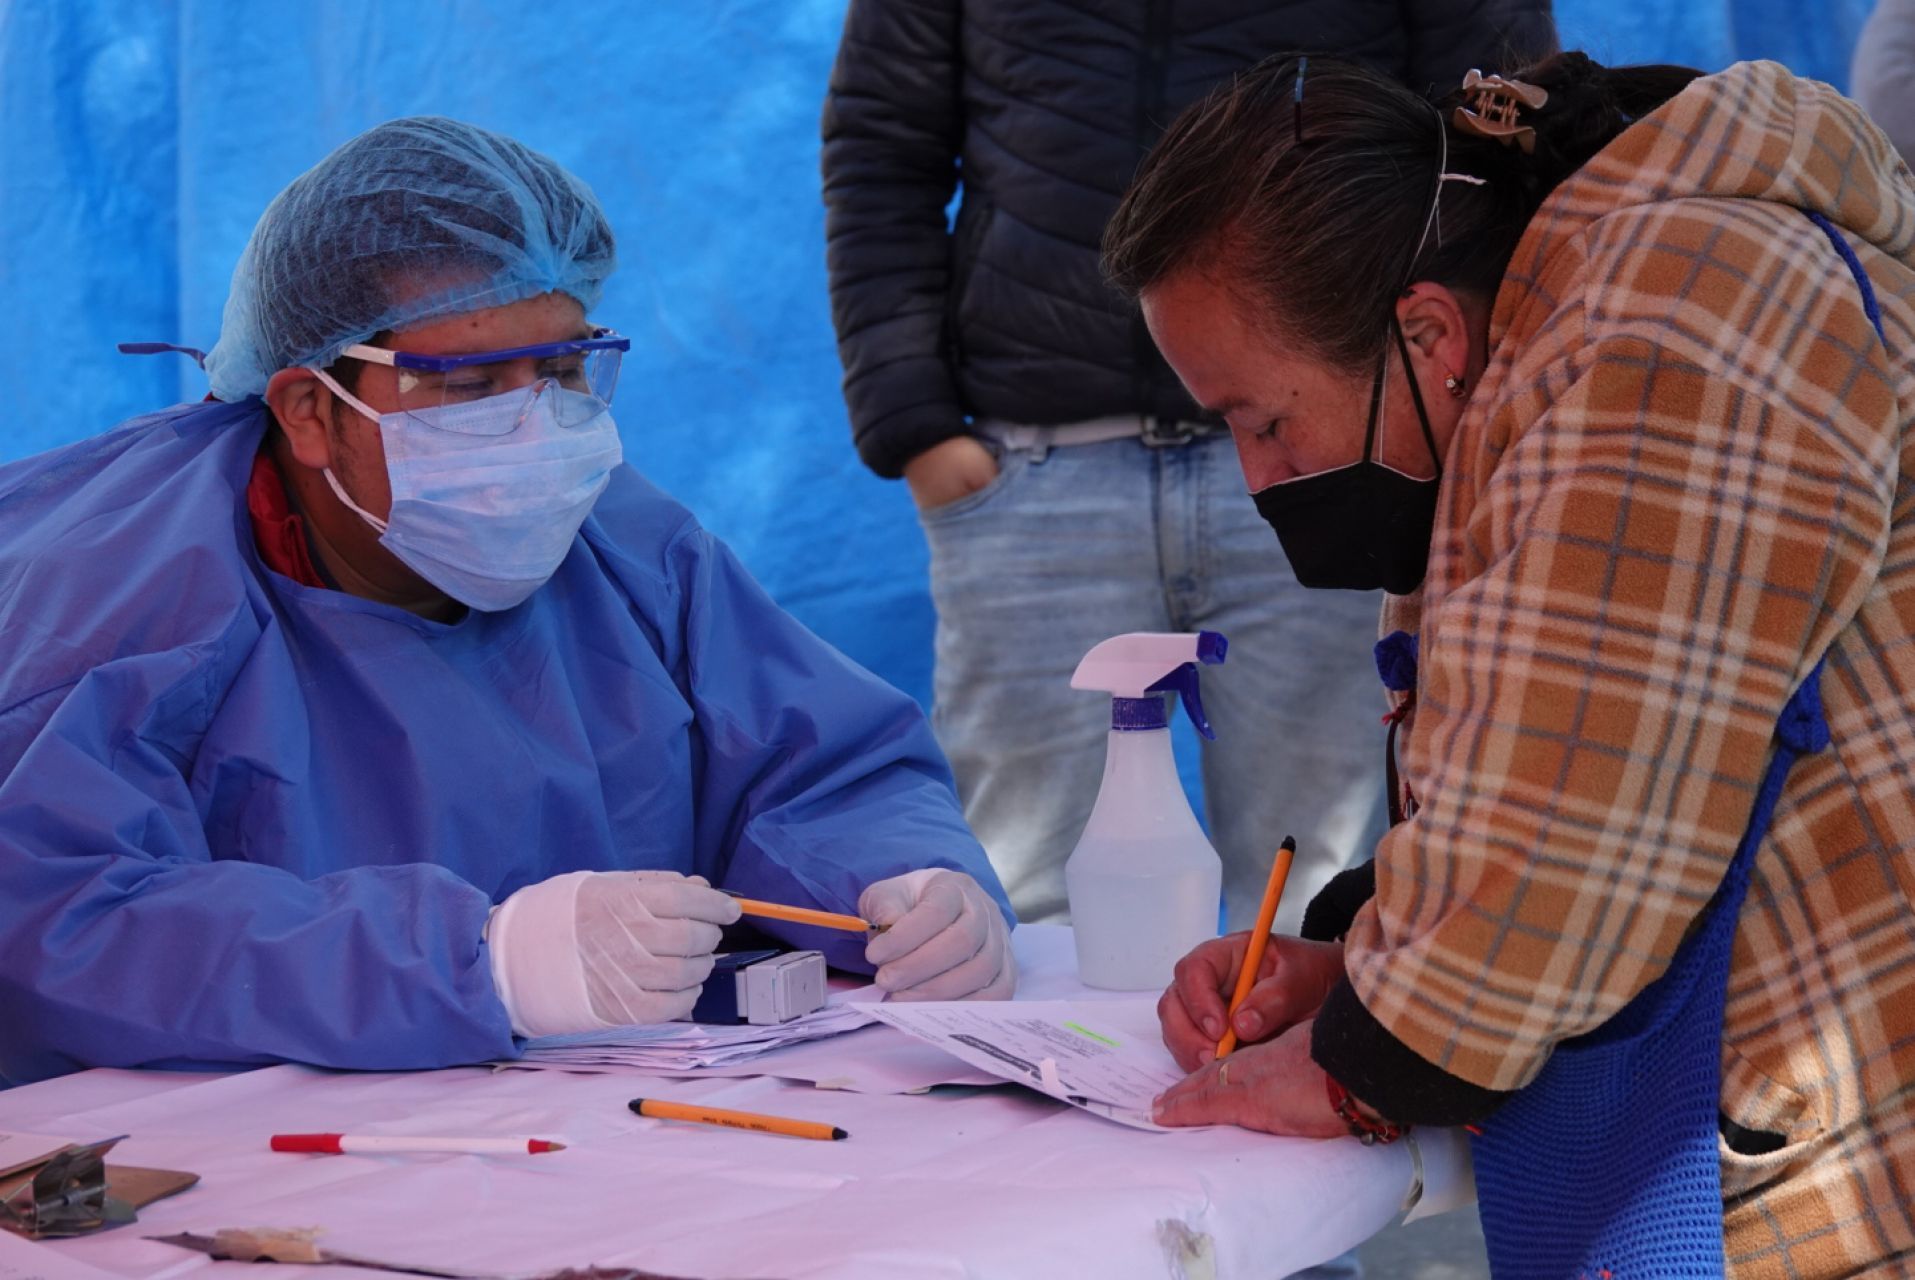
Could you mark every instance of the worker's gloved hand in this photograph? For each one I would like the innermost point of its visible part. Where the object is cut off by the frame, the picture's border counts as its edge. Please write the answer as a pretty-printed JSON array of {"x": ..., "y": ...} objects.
[
  {"x": 944, "y": 938},
  {"x": 597, "y": 949}
]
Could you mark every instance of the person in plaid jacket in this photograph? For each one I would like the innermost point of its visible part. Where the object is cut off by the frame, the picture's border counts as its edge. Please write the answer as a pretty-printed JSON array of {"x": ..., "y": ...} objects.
[{"x": 1610, "y": 375}]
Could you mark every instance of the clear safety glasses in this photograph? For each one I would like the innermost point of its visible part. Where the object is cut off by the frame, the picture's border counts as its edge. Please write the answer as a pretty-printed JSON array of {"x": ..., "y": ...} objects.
[{"x": 578, "y": 377}]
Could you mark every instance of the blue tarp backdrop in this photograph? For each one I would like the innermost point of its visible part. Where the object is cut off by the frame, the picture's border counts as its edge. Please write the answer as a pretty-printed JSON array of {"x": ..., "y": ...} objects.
[{"x": 139, "y": 142}]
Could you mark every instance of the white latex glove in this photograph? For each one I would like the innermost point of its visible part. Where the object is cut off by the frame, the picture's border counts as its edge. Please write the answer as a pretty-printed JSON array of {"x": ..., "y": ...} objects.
[
  {"x": 947, "y": 938},
  {"x": 597, "y": 949}
]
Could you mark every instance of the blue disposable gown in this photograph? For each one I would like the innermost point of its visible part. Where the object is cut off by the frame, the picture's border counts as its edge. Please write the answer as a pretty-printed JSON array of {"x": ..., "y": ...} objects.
[{"x": 244, "y": 820}]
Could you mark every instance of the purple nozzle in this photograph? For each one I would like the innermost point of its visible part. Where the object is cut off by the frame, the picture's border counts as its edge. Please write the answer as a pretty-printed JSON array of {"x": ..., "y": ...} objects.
[{"x": 1183, "y": 682}]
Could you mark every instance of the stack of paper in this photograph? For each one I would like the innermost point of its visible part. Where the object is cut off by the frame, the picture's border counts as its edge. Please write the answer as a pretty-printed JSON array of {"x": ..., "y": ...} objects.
[{"x": 685, "y": 1046}]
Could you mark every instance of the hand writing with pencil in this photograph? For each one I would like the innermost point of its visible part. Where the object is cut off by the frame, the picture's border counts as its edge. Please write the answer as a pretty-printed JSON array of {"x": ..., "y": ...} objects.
[
  {"x": 1293, "y": 977},
  {"x": 1275, "y": 985},
  {"x": 1270, "y": 1083}
]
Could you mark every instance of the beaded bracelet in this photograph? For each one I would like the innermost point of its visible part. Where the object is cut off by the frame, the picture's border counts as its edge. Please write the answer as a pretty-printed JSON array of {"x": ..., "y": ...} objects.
[{"x": 1369, "y": 1132}]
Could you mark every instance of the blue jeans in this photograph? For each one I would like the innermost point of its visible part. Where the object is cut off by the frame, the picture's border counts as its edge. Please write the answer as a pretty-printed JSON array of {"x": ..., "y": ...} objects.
[{"x": 1071, "y": 545}]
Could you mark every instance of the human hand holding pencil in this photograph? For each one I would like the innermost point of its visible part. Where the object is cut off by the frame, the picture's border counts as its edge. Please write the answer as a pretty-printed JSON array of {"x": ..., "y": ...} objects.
[
  {"x": 932, "y": 934},
  {"x": 1265, "y": 991},
  {"x": 1289, "y": 979}
]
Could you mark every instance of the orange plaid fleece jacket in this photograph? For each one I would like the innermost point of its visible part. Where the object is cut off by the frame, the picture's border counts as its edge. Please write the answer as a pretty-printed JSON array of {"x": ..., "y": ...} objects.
[{"x": 1686, "y": 475}]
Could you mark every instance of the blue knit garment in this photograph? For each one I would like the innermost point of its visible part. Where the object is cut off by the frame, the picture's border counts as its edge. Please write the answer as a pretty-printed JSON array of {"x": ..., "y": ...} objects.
[{"x": 1606, "y": 1165}]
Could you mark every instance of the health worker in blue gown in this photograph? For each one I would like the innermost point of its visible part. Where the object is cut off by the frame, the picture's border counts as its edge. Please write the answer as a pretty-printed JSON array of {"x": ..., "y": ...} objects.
[{"x": 374, "y": 714}]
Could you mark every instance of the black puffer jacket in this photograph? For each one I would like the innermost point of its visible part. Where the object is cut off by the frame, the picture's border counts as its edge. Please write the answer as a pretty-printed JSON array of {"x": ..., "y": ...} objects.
[{"x": 1045, "y": 108}]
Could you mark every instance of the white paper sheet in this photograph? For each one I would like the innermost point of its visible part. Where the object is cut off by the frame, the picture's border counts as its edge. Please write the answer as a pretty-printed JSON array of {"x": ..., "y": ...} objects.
[{"x": 1104, "y": 1056}]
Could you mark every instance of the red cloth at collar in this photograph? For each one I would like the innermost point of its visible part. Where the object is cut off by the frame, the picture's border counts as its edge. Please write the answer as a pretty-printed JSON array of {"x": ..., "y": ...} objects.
[{"x": 278, "y": 530}]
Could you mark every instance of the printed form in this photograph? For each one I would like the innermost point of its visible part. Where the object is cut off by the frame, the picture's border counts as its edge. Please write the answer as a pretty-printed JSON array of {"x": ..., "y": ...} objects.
[{"x": 1105, "y": 1056}]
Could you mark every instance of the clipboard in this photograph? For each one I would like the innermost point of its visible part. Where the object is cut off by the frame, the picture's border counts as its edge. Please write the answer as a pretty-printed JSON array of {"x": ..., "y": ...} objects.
[{"x": 71, "y": 1190}]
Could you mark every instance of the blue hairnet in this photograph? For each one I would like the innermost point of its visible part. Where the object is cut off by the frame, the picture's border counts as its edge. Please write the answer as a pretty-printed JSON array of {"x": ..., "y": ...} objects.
[{"x": 411, "y": 220}]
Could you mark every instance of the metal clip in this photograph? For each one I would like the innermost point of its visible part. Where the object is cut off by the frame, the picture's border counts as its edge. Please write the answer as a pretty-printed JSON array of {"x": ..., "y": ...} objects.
[
  {"x": 65, "y": 1196},
  {"x": 1492, "y": 107}
]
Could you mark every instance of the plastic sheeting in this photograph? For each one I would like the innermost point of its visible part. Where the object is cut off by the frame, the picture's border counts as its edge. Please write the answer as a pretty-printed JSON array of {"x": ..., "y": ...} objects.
[{"x": 139, "y": 143}]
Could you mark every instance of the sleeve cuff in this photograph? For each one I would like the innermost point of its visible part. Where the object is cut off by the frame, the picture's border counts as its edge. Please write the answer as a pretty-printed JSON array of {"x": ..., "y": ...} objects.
[
  {"x": 1387, "y": 1075},
  {"x": 1331, "y": 912},
  {"x": 534, "y": 955},
  {"x": 887, "y": 449}
]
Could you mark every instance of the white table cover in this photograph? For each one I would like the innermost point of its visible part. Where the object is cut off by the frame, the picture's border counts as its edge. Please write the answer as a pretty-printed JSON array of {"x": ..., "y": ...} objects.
[{"x": 995, "y": 1182}]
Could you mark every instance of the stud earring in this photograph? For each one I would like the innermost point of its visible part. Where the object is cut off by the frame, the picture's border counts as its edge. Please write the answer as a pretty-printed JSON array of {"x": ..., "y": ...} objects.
[{"x": 1455, "y": 385}]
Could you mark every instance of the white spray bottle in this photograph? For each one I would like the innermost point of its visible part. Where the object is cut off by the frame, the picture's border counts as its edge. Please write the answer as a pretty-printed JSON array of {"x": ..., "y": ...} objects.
[{"x": 1144, "y": 881}]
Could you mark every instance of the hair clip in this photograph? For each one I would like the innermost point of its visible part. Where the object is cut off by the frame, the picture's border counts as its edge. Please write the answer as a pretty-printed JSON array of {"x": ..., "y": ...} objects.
[{"x": 1492, "y": 107}]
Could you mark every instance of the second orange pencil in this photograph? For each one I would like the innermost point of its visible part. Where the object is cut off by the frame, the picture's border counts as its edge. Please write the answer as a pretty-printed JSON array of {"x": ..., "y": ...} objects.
[
  {"x": 802, "y": 915},
  {"x": 660, "y": 1109}
]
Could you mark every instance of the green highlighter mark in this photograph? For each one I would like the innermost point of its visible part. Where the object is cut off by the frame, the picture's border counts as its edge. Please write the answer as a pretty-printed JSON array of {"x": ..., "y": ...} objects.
[{"x": 1086, "y": 1031}]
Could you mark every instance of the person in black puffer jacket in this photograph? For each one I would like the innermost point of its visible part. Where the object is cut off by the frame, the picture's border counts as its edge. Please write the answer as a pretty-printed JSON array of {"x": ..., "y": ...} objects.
[{"x": 1068, "y": 487}]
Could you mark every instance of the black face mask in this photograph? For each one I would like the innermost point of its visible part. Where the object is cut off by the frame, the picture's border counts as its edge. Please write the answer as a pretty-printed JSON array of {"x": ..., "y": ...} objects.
[{"x": 1363, "y": 526}]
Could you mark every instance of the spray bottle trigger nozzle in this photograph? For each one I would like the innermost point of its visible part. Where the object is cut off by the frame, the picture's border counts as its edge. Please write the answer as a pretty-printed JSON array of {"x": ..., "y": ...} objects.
[{"x": 1183, "y": 682}]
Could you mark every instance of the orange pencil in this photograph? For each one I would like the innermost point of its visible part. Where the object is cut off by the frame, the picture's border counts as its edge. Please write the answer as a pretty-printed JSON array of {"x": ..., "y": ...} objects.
[
  {"x": 659, "y": 1109},
  {"x": 802, "y": 915},
  {"x": 1259, "y": 939}
]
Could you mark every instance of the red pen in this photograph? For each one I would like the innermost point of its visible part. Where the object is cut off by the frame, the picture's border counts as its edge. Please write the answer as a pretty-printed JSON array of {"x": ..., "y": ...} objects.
[{"x": 339, "y": 1144}]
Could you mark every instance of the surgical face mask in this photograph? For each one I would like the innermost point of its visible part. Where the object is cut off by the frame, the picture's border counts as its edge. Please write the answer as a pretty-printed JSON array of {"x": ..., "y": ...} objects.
[
  {"x": 1363, "y": 526},
  {"x": 487, "y": 496}
]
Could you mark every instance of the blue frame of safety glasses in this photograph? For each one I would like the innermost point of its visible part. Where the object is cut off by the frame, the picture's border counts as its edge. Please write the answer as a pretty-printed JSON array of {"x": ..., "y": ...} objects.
[{"x": 601, "y": 340}]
